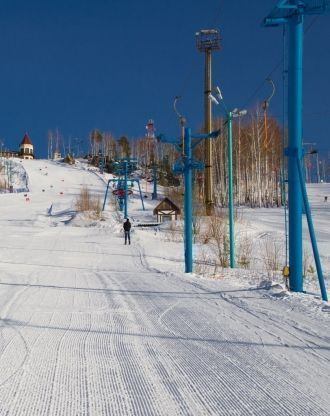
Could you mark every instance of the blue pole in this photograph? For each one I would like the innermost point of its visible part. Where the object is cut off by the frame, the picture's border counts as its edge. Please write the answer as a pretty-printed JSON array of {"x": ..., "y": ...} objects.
[
  {"x": 188, "y": 201},
  {"x": 312, "y": 233},
  {"x": 154, "y": 194},
  {"x": 125, "y": 187},
  {"x": 106, "y": 194},
  {"x": 295, "y": 150},
  {"x": 230, "y": 192},
  {"x": 138, "y": 182}
]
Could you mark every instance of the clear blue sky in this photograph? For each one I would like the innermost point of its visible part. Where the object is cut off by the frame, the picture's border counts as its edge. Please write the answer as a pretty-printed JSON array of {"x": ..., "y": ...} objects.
[{"x": 76, "y": 65}]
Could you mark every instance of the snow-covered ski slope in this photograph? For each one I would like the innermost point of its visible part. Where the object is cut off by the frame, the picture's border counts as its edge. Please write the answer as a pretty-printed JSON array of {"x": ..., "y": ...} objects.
[{"x": 88, "y": 327}]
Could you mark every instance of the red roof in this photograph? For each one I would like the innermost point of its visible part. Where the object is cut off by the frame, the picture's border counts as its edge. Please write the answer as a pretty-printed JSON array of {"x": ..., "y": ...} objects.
[{"x": 26, "y": 139}]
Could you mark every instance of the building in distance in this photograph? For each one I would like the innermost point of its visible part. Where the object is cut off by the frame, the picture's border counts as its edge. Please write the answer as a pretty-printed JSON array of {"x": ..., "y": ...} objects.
[{"x": 26, "y": 150}]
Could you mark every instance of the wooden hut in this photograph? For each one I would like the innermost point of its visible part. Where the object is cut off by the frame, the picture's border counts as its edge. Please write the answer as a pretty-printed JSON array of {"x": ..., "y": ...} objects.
[{"x": 166, "y": 210}]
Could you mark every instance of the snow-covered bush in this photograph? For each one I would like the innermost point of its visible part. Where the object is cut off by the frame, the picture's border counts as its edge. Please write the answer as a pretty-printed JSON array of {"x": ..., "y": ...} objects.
[
  {"x": 271, "y": 253},
  {"x": 244, "y": 251},
  {"x": 217, "y": 236},
  {"x": 86, "y": 202}
]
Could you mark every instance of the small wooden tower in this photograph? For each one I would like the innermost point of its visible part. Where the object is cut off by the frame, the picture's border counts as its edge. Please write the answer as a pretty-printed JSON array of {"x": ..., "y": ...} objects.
[
  {"x": 166, "y": 210},
  {"x": 26, "y": 148}
]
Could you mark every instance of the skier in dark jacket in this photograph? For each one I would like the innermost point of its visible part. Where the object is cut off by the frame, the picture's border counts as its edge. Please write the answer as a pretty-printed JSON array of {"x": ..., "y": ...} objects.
[{"x": 127, "y": 229}]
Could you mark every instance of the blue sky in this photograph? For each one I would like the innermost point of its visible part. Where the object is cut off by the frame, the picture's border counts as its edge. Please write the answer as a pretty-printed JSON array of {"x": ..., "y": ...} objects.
[{"x": 76, "y": 65}]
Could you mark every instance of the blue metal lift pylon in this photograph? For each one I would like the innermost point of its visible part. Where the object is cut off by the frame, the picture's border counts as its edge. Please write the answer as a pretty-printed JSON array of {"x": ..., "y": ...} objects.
[
  {"x": 185, "y": 165},
  {"x": 292, "y": 12},
  {"x": 154, "y": 193},
  {"x": 123, "y": 169},
  {"x": 116, "y": 180}
]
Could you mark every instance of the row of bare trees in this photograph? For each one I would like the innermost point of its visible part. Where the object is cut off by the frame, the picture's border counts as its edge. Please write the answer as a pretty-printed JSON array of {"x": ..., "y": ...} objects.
[
  {"x": 146, "y": 150},
  {"x": 258, "y": 163},
  {"x": 104, "y": 143},
  {"x": 257, "y": 158}
]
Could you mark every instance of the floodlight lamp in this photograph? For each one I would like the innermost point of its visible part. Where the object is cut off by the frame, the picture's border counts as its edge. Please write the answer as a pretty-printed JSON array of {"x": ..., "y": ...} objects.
[
  {"x": 209, "y": 31},
  {"x": 213, "y": 99},
  {"x": 236, "y": 113},
  {"x": 207, "y": 40},
  {"x": 219, "y": 94}
]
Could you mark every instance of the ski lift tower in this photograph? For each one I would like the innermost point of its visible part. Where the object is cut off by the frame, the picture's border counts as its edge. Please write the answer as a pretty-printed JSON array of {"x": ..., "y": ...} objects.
[
  {"x": 292, "y": 13},
  {"x": 150, "y": 127},
  {"x": 208, "y": 40}
]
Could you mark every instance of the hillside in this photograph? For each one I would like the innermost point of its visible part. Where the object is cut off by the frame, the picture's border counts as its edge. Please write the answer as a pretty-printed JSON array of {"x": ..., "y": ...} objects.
[{"x": 93, "y": 327}]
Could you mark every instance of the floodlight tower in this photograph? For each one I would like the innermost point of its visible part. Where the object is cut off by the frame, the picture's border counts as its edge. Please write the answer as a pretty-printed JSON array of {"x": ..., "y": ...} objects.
[
  {"x": 208, "y": 40},
  {"x": 292, "y": 13}
]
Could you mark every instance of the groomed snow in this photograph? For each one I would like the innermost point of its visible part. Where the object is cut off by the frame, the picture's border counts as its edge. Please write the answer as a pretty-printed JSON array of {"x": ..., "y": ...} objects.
[{"x": 89, "y": 326}]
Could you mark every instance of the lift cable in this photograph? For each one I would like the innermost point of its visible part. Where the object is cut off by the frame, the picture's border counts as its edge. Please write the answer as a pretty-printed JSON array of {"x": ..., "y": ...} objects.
[{"x": 276, "y": 67}]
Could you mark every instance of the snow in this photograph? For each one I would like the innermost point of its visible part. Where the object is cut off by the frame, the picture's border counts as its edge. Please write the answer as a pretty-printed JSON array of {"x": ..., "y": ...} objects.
[{"x": 90, "y": 326}]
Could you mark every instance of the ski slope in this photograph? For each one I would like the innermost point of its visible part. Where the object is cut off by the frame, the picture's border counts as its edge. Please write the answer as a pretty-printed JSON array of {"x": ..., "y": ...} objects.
[{"x": 90, "y": 326}]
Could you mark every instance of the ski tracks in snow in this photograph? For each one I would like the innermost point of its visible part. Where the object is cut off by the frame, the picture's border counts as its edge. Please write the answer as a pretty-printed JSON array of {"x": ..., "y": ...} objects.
[
  {"x": 102, "y": 333},
  {"x": 266, "y": 373}
]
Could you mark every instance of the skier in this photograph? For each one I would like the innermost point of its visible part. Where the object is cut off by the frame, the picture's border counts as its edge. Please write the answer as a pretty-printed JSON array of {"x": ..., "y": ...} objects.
[{"x": 127, "y": 229}]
